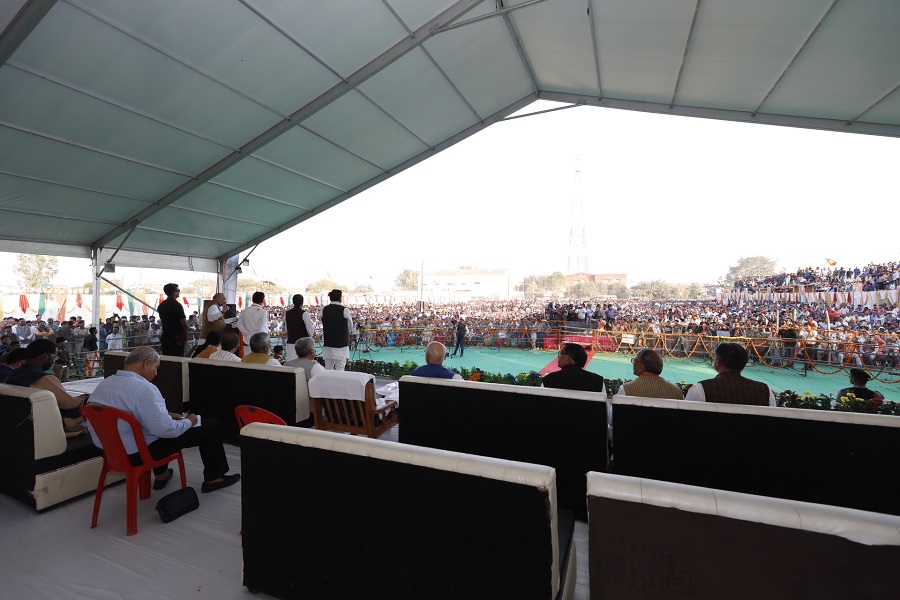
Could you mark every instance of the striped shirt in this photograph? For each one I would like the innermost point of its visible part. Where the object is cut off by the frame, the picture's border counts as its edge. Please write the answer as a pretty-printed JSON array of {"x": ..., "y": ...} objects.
[{"x": 133, "y": 394}]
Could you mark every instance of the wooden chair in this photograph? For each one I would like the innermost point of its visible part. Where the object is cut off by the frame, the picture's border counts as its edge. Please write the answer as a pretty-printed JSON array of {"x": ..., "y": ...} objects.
[
  {"x": 104, "y": 420},
  {"x": 356, "y": 416}
]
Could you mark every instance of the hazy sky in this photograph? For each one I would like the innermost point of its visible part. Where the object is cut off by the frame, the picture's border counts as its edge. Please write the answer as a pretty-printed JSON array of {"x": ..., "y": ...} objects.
[{"x": 671, "y": 198}]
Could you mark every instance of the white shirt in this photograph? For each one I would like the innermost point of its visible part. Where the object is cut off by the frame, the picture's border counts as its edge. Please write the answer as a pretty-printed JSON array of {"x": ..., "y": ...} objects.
[
  {"x": 114, "y": 341},
  {"x": 254, "y": 319},
  {"x": 224, "y": 355}
]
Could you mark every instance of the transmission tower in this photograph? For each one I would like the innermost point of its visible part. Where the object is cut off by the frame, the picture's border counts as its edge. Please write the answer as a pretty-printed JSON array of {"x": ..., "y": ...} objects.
[{"x": 578, "y": 260}]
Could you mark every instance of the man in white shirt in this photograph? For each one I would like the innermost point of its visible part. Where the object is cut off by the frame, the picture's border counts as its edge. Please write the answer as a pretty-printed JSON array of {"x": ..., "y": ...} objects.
[
  {"x": 230, "y": 343},
  {"x": 255, "y": 319}
]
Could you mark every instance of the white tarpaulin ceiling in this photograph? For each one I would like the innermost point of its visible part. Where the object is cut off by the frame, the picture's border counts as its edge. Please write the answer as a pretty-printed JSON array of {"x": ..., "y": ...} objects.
[{"x": 199, "y": 128}]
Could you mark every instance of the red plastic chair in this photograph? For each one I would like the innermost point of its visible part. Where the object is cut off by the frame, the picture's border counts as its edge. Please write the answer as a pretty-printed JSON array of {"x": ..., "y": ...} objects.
[
  {"x": 104, "y": 420},
  {"x": 246, "y": 414}
]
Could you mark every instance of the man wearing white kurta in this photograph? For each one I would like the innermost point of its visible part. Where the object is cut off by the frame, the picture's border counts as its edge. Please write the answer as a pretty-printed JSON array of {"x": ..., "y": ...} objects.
[
  {"x": 336, "y": 327},
  {"x": 254, "y": 319}
]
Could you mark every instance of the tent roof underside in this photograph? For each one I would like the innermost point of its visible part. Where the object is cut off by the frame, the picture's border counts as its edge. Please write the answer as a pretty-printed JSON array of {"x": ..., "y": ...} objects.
[{"x": 196, "y": 130}]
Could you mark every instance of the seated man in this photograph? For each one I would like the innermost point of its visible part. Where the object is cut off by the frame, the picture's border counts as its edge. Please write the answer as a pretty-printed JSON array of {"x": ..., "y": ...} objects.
[
  {"x": 259, "y": 351},
  {"x": 11, "y": 362},
  {"x": 858, "y": 381},
  {"x": 571, "y": 374},
  {"x": 208, "y": 347},
  {"x": 40, "y": 356},
  {"x": 130, "y": 390},
  {"x": 435, "y": 353},
  {"x": 648, "y": 366},
  {"x": 230, "y": 343},
  {"x": 729, "y": 386},
  {"x": 306, "y": 352}
]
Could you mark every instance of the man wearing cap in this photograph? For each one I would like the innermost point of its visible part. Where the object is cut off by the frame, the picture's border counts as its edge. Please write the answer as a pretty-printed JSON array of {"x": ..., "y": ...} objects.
[
  {"x": 858, "y": 380},
  {"x": 729, "y": 386}
]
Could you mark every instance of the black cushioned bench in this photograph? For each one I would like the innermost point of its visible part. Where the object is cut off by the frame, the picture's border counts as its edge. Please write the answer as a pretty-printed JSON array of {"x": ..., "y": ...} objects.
[
  {"x": 562, "y": 429},
  {"x": 328, "y": 515},
  {"x": 841, "y": 459},
  {"x": 38, "y": 464},
  {"x": 657, "y": 540},
  {"x": 217, "y": 387}
]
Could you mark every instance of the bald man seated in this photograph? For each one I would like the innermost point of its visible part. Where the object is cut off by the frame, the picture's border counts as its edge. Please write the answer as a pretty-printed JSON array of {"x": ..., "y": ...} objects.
[{"x": 435, "y": 353}]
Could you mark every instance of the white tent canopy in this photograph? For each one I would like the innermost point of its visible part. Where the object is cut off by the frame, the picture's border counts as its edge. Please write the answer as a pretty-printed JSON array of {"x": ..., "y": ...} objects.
[{"x": 198, "y": 129}]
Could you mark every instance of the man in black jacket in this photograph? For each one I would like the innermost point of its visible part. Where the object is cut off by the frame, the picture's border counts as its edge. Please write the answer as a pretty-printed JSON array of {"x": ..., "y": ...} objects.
[{"x": 571, "y": 374}]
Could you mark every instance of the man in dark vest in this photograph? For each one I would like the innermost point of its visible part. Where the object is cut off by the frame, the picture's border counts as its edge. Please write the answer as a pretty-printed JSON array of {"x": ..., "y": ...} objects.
[
  {"x": 174, "y": 323},
  {"x": 336, "y": 327},
  {"x": 298, "y": 324},
  {"x": 729, "y": 386}
]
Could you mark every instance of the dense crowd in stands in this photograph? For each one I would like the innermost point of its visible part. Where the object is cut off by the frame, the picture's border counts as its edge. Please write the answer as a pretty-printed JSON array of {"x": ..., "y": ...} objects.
[{"x": 872, "y": 277}]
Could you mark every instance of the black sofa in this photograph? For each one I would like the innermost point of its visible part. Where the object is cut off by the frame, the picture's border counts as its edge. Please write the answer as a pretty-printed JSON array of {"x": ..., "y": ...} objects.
[
  {"x": 218, "y": 386},
  {"x": 562, "y": 429},
  {"x": 333, "y": 516},
  {"x": 658, "y": 540},
  {"x": 38, "y": 464},
  {"x": 836, "y": 458}
]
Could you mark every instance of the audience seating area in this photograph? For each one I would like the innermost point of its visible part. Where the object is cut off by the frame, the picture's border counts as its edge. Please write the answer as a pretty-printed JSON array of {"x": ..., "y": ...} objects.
[
  {"x": 360, "y": 518},
  {"x": 659, "y": 540},
  {"x": 841, "y": 459},
  {"x": 214, "y": 388},
  {"x": 38, "y": 464},
  {"x": 562, "y": 429}
]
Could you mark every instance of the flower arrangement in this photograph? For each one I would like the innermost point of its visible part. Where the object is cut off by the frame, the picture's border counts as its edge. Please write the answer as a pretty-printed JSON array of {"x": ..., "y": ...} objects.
[
  {"x": 848, "y": 403},
  {"x": 791, "y": 399},
  {"x": 684, "y": 386},
  {"x": 396, "y": 370}
]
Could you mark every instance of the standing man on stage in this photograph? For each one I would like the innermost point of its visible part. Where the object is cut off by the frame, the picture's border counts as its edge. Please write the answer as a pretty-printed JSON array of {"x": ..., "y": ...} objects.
[
  {"x": 298, "y": 325},
  {"x": 213, "y": 317},
  {"x": 255, "y": 319},
  {"x": 460, "y": 336},
  {"x": 336, "y": 328},
  {"x": 174, "y": 323}
]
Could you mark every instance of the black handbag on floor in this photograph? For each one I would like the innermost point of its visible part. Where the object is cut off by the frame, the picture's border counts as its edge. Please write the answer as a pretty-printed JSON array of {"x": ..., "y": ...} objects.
[{"x": 178, "y": 503}]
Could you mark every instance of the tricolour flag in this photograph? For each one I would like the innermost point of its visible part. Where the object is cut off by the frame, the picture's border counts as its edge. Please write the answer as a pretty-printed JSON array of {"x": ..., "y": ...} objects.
[
  {"x": 831, "y": 262},
  {"x": 61, "y": 316}
]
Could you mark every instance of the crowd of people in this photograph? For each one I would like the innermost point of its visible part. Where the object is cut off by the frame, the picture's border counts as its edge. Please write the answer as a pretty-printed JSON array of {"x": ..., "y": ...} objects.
[{"x": 874, "y": 276}]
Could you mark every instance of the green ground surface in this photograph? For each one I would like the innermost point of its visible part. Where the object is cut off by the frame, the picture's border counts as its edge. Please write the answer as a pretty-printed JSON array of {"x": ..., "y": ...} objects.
[{"x": 618, "y": 366}]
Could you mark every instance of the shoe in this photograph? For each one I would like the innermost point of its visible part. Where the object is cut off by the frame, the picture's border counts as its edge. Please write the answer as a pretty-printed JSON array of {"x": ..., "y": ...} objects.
[
  {"x": 159, "y": 484},
  {"x": 227, "y": 480}
]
